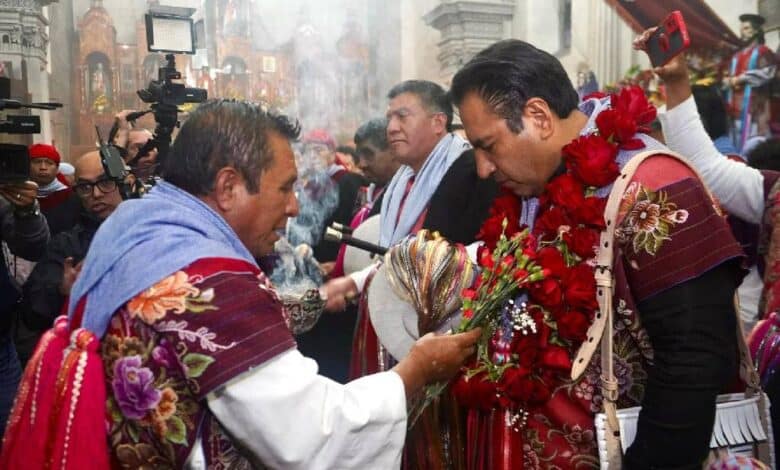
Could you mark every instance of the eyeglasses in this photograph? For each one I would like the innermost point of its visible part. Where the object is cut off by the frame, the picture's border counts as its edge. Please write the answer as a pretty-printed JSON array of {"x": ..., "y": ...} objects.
[{"x": 104, "y": 185}]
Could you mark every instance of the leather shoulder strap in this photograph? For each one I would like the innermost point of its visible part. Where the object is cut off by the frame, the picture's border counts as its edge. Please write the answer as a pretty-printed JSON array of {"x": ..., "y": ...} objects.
[
  {"x": 600, "y": 332},
  {"x": 603, "y": 270}
]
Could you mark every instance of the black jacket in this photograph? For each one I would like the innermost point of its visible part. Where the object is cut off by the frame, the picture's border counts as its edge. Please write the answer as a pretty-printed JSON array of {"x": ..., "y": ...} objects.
[
  {"x": 461, "y": 201},
  {"x": 42, "y": 301},
  {"x": 26, "y": 237},
  {"x": 64, "y": 215},
  {"x": 456, "y": 210}
]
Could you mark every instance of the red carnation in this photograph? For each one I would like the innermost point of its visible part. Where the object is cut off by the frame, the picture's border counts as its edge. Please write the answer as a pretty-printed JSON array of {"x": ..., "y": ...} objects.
[
  {"x": 582, "y": 241},
  {"x": 517, "y": 384},
  {"x": 580, "y": 287},
  {"x": 573, "y": 326},
  {"x": 592, "y": 160},
  {"x": 486, "y": 258},
  {"x": 631, "y": 101},
  {"x": 548, "y": 293},
  {"x": 552, "y": 259},
  {"x": 591, "y": 212},
  {"x": 475, "y": 392},
  {"x": 505, "y": 206},
  {"x": 616, "y": 126},
  {"x": 550, "y": 221},
  {"x": 565, "y": 191},
  {"x": 556, "y": 357},
  {"x": 526, "y": 348},
  {"x": 470, "y": 294}
]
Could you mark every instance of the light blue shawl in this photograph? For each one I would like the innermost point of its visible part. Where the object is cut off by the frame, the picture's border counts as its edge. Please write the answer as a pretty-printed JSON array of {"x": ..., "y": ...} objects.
[
  {"x": 144, "y": 241},
  {"x": 449, "y": 148}
]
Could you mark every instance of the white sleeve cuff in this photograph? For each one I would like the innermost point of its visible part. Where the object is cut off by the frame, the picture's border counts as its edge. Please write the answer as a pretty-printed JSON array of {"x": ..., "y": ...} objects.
[
  {"x": 360, "y": 277},
  {"x": 290, "y": 417}
]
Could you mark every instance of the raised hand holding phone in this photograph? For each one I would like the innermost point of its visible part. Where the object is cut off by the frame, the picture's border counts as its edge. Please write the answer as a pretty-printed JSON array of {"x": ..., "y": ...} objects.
[{"x": 668, "y": 40}]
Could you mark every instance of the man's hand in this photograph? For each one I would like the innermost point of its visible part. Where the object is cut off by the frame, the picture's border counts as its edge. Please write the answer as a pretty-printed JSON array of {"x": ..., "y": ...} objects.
[
  {"x": 69, "y": 275},
  {"x": 338, "y": 293},
  {"x": 435, "y": 358},
  {"x": 327, "y": 268},
  {"x": 124, "y": 128},
  {"x": 21, "y": 195},
  {"x": 675, "y": 74},
  {"x": 733, "y": 82}
]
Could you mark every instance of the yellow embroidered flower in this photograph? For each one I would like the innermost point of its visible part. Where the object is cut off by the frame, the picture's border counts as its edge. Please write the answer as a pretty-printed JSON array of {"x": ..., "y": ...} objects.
[{"x": 170, "y": 294}]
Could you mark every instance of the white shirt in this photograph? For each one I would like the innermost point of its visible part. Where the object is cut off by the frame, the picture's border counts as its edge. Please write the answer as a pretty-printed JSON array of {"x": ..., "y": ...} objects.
[
  {"x": 287, "y": 416},
  {"x": 739, "y": 188}
]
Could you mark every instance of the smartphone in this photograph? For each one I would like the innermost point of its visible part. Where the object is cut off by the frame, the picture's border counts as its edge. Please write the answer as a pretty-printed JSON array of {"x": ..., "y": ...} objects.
[
  {"x": 668, "y": 40},
  {"x": 14, "y": 163}
]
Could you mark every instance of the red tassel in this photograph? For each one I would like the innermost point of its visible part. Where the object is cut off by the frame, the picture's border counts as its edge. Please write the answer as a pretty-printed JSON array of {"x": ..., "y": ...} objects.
[
  {"x": 61, "y": 402},
  {"x": 28, "y": 413},
  {"x": 81, "y": 393}
]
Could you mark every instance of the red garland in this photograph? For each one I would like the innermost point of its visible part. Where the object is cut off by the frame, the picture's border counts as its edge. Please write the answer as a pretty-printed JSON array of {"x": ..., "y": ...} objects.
[{"x": 567, "y": 229}]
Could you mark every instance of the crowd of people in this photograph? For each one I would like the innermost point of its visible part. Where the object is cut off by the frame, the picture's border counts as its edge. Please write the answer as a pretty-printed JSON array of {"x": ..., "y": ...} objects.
[{"x": 153, "y": 338}]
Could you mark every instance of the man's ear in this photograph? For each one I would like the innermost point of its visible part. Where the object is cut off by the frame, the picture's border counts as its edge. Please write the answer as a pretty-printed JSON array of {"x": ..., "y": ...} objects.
[
  {"x": 539, "y": 114},
  {"x": 227, "y": 186},
  {"x": 440, "y": 123}
]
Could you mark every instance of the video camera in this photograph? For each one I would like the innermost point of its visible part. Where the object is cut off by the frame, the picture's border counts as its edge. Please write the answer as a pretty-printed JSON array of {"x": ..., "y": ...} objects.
[
  {"x": 14, "y": 158},
  {"x": 171, "y": 30}
]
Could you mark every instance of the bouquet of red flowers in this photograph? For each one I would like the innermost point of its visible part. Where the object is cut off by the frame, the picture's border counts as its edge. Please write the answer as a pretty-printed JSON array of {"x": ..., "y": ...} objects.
[{"x": 506, "y": 271}]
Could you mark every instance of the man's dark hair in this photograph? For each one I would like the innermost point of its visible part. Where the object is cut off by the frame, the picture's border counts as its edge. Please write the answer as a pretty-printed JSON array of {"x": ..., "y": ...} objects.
[
  {"x": 766, "y": 155},
  {"x": 509, "y": 73},
  {"x": 432, "y": 96},
  {"x": 712, "y": 110},
  {"x": 757, "y": 22},
  {"x": 373, "y": 132},
  {"x": 349, "y": 151},
  {"x": 222, "y": 133}
]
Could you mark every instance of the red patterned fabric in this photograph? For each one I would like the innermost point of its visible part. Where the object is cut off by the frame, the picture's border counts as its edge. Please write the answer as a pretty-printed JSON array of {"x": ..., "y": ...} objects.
[
  {"x": 176, "y": 342},
  {"x": 668, "y": 232}
]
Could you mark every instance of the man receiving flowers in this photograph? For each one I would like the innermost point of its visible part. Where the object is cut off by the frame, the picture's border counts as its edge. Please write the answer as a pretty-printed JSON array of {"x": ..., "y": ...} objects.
[{"x": 676, "y": 267}]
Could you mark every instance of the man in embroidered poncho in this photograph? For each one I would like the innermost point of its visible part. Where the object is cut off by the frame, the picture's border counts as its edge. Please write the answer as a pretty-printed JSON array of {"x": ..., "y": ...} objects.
[
  {"x": 676, "y": 266},
  {"x": 201, "y": 368}
]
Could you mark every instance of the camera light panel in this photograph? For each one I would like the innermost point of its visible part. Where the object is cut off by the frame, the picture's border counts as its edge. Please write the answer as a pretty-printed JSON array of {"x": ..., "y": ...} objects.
[{"x": 167, "y": 34}]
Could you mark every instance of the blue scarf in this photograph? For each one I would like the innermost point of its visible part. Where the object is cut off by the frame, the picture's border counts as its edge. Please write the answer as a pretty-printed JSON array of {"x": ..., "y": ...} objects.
[
  {"x": 144, "y": 241},
  {"x": 449, "y": 148}
]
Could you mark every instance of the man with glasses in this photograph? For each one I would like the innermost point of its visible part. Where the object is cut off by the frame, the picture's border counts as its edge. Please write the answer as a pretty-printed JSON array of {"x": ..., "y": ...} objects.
[{"x": 51, "y": 280}]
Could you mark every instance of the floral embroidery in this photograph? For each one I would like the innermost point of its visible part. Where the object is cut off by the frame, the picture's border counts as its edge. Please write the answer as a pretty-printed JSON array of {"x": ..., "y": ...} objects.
[
  {"x": 170, "y": 294},
  {"x": 648, "y": 218},
  {"x": 165, "y": 410},
  {"x": 160, "y": 352},
  {"x": 133, "y": 387},
  {"x": 153, "y": 377},
  {"x": 202, "y": 334},
  {"x": 140, "y": 456},
  {"x": 582, "y": 440},
  {"x": 629, "y": 321}
]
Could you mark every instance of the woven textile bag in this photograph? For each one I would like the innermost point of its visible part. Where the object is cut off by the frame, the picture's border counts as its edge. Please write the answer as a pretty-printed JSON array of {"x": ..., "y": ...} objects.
[{"x": 742, "y": 421}]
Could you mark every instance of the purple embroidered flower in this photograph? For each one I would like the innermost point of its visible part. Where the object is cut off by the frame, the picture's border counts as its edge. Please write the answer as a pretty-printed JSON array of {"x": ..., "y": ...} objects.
[
  {"x": 161, "y": 355},
  {"x": 133, "y": 387}
]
